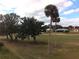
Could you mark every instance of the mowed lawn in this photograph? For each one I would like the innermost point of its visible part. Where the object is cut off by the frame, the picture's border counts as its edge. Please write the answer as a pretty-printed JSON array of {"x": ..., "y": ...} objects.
[
  {"x": 6, "y": 54},
  {"x": 61, "y": 46}
]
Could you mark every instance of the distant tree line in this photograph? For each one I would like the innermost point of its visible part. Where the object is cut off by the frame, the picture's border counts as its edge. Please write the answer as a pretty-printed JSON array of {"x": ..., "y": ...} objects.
[{"x": 53, "y": 27}]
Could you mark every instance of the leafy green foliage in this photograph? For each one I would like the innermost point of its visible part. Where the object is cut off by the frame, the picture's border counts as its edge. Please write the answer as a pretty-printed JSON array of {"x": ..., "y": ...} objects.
[
  {"x": 30, "y": 27},
  {"x": 52, "y": 11},
  {"x": 10, "y": 21}
]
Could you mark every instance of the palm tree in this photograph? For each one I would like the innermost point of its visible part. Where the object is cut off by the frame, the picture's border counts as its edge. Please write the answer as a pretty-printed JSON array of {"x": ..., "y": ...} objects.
[
  {"x": 52, "y": 12},
  {"x": 11, "y": 21}
]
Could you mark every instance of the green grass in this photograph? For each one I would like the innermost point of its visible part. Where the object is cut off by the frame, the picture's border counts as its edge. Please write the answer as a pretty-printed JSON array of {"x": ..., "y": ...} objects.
[
  {"x": 6, "y": 54},
  {"x": 30, "y": 50}
]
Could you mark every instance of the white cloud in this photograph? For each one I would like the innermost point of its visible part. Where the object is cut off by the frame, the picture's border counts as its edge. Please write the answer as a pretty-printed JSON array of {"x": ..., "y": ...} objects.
[
  {"x": 72, "y": 11},
  {"x": 77, "y": 10},
  {"x": 27, "y": 6},
  {"x": 30, "y": 6},
  {"x": 67, "y": 22},
  {"x": 65, "y": 4},
  {"x": 68, "y": 3},
  {"x": 69, "y": 11}
]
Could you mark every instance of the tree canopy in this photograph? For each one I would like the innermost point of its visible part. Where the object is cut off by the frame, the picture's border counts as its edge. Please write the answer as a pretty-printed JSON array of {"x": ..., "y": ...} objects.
[
  {"x": 17, "y": 27},
  {"x": 30, "y": 27},
  {"x": 52, "y": 11}
]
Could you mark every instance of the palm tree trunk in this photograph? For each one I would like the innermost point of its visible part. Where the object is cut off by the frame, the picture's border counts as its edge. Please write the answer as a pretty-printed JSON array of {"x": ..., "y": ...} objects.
[
  {"x": 55, "y": 26},
  {"x": 11, "y": 36},
  {"x": 34, "y": 37},
  {"x": 49, "y": 42},
  {"x": 28, "y": 36}
]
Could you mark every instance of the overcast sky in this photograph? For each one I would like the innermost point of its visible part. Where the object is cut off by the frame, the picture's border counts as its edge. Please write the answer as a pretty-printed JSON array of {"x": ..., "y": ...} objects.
[{"x": 68, "y": 9}]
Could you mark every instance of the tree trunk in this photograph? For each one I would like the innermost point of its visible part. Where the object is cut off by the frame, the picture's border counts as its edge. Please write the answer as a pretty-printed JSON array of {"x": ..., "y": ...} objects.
[
  {"x": 16, "y": 38},
  {"x": 34, "y": 37},
  {"x": 11, "y": 36},
  {"x": 55, "y": 26},
  {"x": 7, "y": 37},
  {"x": 28, "y": 36}
]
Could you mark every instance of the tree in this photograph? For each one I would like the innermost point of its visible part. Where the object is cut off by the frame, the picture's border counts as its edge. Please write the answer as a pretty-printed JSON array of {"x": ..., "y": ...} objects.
[
  {"x": 44, "y": 28},
  {"x": 54, "y": 27},
  {"x": 70, "y": 27},
  {"x": 52, "y": 11},
  {"x": 2, "y": 29},
  {"x": 30, "y": 27},
  {"x": 10, "y": 21}
]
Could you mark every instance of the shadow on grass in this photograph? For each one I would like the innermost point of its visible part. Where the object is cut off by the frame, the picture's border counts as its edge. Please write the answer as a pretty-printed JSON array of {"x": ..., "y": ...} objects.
[
  {"x": 3, "y": 49},
  {"x": 28, "y": 42},
  {"x": 31, "y": 43}
]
